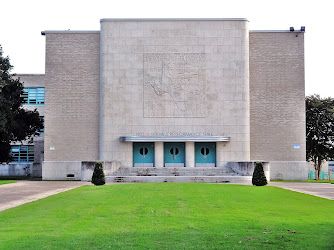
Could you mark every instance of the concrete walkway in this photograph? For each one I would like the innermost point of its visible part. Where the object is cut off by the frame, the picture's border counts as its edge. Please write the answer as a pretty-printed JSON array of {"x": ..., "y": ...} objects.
[
  {"x": 324, "y": 190},
  {"x": 15, "y": 194}
]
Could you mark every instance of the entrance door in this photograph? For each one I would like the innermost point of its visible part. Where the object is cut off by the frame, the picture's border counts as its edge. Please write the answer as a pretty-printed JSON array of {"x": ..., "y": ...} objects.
[
  {"x": 174, "y": 154},
  {"x": 143, "y": 154},
  {"x": 205, "y": 154}
]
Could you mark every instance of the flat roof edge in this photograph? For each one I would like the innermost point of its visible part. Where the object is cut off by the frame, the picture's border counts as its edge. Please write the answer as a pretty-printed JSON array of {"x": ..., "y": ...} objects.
[
  {"x": 170, "y": 19},
  {"x": 68, "y": 31},
  {"x": 277, "y": 31},
  {"x": 28, "y": 74}
]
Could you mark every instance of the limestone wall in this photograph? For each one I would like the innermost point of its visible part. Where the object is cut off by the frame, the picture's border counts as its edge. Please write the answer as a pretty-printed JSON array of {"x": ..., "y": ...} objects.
[
  {"x": 72, "y": 96},
  {"x": 61, "y": 170},
  {"x": 277, "y": 96},
  {"x": 31, "y": 80},
  {"x": 21, "y": 169},
  {"x": 288, "y": 171},
  {"x": 172, "y": 76}
]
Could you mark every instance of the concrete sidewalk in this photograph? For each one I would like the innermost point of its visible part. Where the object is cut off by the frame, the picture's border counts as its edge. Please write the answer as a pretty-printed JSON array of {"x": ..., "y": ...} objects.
[
  {"x": 324, "y": 190},
  {"x": 15, "y": 194}
]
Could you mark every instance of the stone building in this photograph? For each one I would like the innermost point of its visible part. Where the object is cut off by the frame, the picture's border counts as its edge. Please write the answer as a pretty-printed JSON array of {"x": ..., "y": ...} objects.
[
  {"x": 27, "y": 157},
  {"x": 190, "y": 94}
]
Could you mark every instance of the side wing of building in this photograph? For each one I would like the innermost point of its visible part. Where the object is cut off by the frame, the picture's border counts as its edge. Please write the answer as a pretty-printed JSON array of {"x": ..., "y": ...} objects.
[
  {"x": 277, "y": 100},
  {"x": 28, "y": 156},
  {"x": 72, "y": 98}
]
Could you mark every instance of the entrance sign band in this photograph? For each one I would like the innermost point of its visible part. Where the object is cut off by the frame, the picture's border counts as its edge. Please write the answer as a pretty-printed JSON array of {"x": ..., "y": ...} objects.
[{"x": 173, "y": 138}]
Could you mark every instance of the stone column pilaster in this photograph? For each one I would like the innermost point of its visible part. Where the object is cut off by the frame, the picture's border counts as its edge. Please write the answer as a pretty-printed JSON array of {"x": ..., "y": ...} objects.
[
  {"x": 158, "y": 154},
  {"x": 190, "y": 154}
]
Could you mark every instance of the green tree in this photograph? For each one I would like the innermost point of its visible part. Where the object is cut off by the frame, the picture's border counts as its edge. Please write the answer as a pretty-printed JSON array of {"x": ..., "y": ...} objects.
[
  {"x": 16, "y": 123},
  {"x": 98, "y": 177},
  {"x": 259, "y": 178},
  {"x": 319, "y": 130}
]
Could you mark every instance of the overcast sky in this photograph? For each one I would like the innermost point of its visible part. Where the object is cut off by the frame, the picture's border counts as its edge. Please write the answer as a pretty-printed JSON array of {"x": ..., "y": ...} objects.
[{"x": 21, "y": 23}]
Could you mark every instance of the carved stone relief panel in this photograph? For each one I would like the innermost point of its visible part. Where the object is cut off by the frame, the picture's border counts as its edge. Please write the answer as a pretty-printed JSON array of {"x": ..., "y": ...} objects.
[{"x": 174, "y": 85}]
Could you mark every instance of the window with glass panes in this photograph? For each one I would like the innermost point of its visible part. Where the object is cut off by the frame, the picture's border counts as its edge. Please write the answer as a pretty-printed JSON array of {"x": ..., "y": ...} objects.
[
  {"x": 34, "y": 95},
  {"x": 22, "y": 153}
]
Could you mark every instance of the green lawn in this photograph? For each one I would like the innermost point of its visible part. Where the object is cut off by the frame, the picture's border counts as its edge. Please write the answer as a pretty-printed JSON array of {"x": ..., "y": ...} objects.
[
  {"x": 6, "y": 182},
  {"x": 321, "y": 181},
  {"x": 16, "y": 178},
  {"x": 171, "y": 216}
]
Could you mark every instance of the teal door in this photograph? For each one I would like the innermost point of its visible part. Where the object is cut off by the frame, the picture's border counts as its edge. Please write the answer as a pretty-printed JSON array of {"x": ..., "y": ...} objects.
[
  {"x": 174, "y": 154},
  {"x": 143, "y": 154},
  {"x": 205, "y": 154}
]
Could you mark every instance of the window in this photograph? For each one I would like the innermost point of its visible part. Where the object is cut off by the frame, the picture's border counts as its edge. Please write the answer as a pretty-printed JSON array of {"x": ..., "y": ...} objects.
[
  {"x": 22, "y": 153},
  {"x": 34, "y": 96}
]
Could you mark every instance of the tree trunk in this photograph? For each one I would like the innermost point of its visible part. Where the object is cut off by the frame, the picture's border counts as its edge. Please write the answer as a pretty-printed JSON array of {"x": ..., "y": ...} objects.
[{"x": 318, "y": 169}]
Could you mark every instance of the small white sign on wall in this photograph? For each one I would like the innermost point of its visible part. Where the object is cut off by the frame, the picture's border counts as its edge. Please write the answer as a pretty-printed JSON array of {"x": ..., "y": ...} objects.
[
  {"x": 52, "y": 148},
  {"x": 296, "y": 146},
  {"x": 331, "y": 166}
]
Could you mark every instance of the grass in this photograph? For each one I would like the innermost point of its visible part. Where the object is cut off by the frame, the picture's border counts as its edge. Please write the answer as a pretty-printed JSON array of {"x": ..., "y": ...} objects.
[
  {"x": 6, "y": 182},
  {"x": 171, "y": 216},
  {"x": 321, "y": 181},
  {"x": 18, "y": 178}
]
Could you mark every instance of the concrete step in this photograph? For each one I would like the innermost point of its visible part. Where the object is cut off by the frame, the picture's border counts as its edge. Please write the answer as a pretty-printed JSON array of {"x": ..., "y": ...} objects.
[
  {"x": 173, "y": 174},
  {"x": 206, "y": 171},
  {"x": 202, "y": 179}
]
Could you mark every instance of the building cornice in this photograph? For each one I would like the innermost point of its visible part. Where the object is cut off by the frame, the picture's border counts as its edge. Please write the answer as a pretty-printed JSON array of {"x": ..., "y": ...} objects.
[
  {"x": 169, "y": 19},
  {"x": 68, "y": 31}
]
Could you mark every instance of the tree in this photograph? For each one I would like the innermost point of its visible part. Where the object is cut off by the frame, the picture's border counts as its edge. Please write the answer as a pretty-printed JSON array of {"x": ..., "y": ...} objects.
[
  {"x": 98, "y": 177},
  {"x": 16, "y": 123},
  {"x": 259, "y": 178},
  {"x": 319, "y": 130}
]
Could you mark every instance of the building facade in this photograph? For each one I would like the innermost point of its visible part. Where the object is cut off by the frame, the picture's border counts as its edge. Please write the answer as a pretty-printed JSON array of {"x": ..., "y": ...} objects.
[
  {"x": 27, "y": 157},
  {"x": 174, "y": 93}
]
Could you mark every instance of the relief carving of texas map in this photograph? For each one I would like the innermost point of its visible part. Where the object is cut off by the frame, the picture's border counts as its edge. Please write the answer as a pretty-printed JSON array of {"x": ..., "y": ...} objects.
[{"x": 174, "y": 85}]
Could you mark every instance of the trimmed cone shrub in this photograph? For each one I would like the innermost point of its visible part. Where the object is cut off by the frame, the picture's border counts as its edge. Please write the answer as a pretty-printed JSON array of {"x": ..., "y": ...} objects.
[
  {"x": 259, "y": 178},
  {"x": 98, "y": 177}
]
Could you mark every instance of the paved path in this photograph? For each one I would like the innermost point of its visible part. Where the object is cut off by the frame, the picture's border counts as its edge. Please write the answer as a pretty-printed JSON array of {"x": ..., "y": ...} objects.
[
  {"x": 15, "y": 194},
  {"x": 324, "y": 190}
]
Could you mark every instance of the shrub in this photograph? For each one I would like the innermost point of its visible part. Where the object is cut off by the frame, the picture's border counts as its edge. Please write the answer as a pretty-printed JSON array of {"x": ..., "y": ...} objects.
[
  {"x": 98, "y": 177},
  {"x": 259, "y": 178}
]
